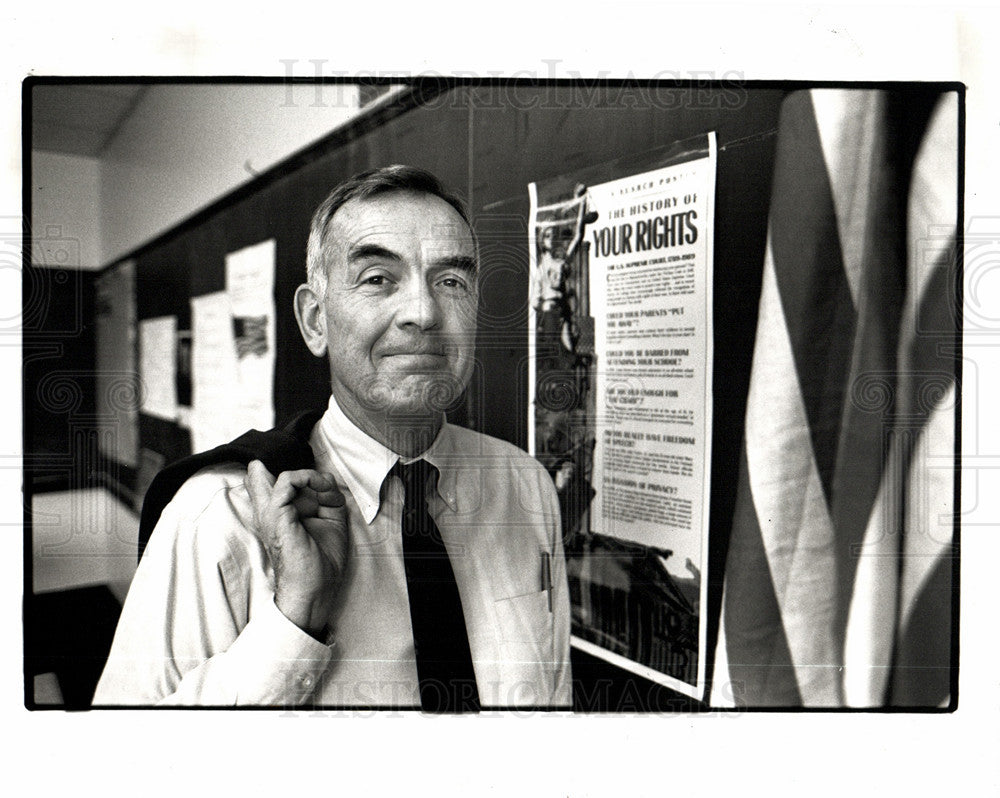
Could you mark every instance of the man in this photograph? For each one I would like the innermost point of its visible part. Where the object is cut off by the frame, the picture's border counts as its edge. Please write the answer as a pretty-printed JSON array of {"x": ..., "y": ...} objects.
[{"x": 306, "y": 587}]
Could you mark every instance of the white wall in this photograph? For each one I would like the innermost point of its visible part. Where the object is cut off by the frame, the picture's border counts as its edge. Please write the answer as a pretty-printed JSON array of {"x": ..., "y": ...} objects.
[
  {"x": 185, "y": 146},
  {"x": 65, "y": 210}
]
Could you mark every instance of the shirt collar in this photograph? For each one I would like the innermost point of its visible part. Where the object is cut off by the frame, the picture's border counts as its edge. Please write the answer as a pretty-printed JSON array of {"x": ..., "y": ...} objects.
[
  {"x": 443, "y": 454},
  {"x": 363, "y": 462}
]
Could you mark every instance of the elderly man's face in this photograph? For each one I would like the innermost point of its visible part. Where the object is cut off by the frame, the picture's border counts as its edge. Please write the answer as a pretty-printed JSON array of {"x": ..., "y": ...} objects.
[{"x": 400, "y": 305}]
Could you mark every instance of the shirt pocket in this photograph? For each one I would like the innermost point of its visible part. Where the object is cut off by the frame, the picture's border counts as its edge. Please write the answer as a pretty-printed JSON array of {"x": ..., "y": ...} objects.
[{"x": 525, "y": 633}]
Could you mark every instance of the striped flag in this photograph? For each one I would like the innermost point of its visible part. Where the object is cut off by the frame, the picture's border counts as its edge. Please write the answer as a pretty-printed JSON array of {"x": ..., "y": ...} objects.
[{"x": 838, "y": 584}]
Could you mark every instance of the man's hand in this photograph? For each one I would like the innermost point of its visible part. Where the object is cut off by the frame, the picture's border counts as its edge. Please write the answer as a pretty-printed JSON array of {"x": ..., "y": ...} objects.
[{"x": 303, "y": 524}]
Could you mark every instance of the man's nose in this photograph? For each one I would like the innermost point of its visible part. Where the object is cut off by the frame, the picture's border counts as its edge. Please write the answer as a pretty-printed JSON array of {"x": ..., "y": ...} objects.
[{"x": 418, "y": 305}]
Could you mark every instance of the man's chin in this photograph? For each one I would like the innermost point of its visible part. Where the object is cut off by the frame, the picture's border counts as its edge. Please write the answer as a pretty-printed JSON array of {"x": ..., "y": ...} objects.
[{"x": 417, "y": 394}]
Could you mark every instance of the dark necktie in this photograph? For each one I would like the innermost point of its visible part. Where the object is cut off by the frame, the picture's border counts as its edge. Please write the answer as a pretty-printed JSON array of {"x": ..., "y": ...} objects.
[{"x": 440, "y": 639}]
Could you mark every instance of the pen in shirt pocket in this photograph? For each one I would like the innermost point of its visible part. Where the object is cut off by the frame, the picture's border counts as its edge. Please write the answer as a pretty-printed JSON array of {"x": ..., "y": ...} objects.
[{"x": 547, "y": 576}]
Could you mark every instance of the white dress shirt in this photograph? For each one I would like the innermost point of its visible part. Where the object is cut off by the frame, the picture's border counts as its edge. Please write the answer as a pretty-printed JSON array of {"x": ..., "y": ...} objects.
[{"x": 200, "y": 625}]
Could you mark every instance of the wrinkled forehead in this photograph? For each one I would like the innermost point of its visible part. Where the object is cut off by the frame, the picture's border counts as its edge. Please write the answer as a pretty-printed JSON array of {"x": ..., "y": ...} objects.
[{"x": 405, "y": 219}]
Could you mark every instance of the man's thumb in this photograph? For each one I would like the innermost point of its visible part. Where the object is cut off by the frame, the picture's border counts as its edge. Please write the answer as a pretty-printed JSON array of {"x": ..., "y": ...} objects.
[{"x": 331, "y": 535}]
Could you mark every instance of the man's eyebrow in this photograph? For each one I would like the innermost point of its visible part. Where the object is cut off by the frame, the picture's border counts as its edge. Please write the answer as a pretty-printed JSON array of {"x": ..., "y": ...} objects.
[
  {"x": 465, "y": 263},
  {"x": 364, "y": 251}
]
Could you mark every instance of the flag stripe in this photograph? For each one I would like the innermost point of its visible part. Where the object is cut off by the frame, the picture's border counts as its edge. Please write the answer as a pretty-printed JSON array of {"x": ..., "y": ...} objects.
[
  {"x": 761, "y": 672},
  {"x": 849, "y": 141},
  {"x": 922, "y": 666},
  {"x": 922, "y": 658},
  {"x": 866, "y": 426},
  {"x": 891, "y": 561},
  {"x": 868, "y": 639},
  {"x": 815, "y": 294},
  {"x": 786, "y": 497}
]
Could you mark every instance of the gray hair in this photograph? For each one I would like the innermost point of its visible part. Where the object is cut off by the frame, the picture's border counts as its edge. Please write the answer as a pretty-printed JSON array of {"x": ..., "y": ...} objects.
[{"x": 364, "y": 185}]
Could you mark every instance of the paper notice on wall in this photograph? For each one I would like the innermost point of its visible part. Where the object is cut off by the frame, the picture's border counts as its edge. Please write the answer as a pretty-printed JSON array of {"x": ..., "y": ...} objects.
[
  {"x": 250, "y": 285},
  {"x": 214, "y": 374},
  {"x": 157, "y": 364},
  {"x": 620, "y": 366},
  {"x": 232, "y": 351}
]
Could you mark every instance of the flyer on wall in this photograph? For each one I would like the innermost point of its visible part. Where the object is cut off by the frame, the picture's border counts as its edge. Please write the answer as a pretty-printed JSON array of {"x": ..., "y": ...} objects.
[
  {"x": 233, "y": 350},
  {"x": 620, "y": 384}
]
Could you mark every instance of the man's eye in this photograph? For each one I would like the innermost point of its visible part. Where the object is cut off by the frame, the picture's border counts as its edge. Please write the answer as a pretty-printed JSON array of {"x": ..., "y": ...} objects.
[
  {"x": 454, "y": 284},
  {"x": 375, "y": 279}
]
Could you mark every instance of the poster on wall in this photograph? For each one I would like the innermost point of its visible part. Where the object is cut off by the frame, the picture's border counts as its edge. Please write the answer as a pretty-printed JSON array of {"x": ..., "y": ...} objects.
[
  {"x": 620, "y": 397},
  {"x": 213, "y": 371},
  {"x": 250, "y": 286},
  {"x": 232, "y": 351}
]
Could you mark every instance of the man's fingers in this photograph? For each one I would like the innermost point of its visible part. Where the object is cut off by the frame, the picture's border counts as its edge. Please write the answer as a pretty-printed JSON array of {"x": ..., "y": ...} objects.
[
  {"x": 309, "y": 493},
  {"x": 290, "y": 485},
  {"x": 332, "y": 497},
  {"x": 311, "y": 503},
  {"x": 305, "y": 478}
]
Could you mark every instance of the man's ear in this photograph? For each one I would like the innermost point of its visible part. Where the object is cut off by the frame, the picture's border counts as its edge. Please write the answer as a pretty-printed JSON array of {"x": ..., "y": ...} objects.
[{"x": 312, "y": 321}]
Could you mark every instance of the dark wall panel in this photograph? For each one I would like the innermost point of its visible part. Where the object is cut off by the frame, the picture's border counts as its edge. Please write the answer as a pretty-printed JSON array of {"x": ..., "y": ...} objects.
[{"x": 59, "y": 381}]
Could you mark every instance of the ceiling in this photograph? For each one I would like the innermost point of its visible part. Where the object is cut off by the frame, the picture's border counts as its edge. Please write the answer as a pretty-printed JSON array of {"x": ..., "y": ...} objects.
[{"x": 80, "y": 118}]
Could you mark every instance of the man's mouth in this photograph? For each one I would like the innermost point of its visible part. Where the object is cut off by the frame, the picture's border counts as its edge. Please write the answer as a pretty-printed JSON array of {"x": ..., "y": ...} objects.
[
  {"x": 416, "y": 351},
  {"x": 417, "y": 358}
]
